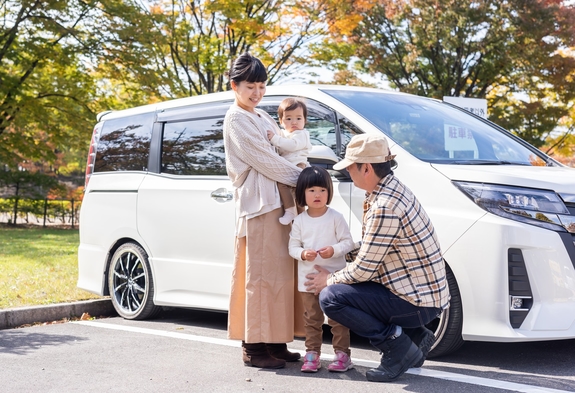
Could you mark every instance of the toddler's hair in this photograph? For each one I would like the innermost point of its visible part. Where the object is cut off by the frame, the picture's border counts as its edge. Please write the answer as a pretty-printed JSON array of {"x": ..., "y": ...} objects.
[
  {"x": 313, "y": 176},
  {"x": 290, "y": 104}
]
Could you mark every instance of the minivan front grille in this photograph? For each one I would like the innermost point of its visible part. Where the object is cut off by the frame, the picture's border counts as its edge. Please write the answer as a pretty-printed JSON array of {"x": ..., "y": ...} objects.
[{"x": 520, "y": 295}]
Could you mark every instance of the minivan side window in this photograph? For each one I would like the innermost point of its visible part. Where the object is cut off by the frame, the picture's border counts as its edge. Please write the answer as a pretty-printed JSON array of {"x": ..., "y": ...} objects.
[
  {"x": 124, "y": 144},
  {"x": 321, "y": 129},
  {"x": 347, "y": 130},
  {"x": 194, "y": 147}
]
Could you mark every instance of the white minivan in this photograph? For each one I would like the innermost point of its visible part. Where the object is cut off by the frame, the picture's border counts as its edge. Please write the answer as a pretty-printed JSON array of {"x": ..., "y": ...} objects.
[{"x": 157, "y": 219}]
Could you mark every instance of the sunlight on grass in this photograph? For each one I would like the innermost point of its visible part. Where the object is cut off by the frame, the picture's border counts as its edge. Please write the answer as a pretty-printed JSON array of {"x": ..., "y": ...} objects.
[{"x": 39, "y": 266}]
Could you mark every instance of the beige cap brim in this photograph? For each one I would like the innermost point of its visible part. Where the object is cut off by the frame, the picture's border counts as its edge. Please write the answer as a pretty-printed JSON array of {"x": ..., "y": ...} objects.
[{"x": 342, "y": 164}]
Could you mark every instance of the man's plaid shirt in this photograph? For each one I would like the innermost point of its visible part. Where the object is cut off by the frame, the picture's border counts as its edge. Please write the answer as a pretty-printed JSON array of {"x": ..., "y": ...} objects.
[{"x": 399, "y": 248}]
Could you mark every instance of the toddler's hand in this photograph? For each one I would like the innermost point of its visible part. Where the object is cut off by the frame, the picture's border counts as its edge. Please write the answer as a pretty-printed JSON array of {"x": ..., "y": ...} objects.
[
  {"x": 326, "y": 252},
  {"x": 308, "y": 255},
  {"x": 270, "y": 134}
]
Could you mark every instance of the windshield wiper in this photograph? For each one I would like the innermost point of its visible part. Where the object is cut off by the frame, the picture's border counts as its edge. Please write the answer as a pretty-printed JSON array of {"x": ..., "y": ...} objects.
[{"x": 487, "y": 162}]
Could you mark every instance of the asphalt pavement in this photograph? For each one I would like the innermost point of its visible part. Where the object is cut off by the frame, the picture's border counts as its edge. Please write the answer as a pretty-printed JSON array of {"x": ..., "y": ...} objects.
[
  {"x": 23, "y": 316},
  {"x": 186, "y": 350}
]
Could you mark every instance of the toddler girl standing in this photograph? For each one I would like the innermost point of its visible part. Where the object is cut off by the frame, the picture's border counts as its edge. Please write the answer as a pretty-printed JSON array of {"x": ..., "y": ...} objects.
[{"x": 319, "y": 236}]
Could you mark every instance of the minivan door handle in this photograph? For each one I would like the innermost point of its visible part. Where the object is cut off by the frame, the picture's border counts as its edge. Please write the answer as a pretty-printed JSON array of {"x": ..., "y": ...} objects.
[{"x": 222, "y": 195}]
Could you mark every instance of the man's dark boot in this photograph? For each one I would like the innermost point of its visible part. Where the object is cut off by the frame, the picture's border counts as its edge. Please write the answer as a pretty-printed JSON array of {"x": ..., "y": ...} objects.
[
  {"x": 280, "y": 351},
  {"x": 257, "y": 355},
  {"x": 399, "y": 354},
  {"x": 424, "y": 339}
]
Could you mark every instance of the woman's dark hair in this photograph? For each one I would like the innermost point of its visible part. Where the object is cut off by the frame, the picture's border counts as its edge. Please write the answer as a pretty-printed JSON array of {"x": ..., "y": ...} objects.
[
  {"x": 313, "y": 176},
  {"x": 247, "y": 68}
]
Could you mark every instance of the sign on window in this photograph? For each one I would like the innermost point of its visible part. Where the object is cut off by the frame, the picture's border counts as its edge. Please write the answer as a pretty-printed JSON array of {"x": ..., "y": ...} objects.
[
  {"x": 477, "y": 106},
  {"x": 459, "y": 142}
]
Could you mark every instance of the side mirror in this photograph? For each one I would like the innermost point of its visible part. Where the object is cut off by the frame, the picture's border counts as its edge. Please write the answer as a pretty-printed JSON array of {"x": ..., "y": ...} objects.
[{"x": 324, "y": 157}]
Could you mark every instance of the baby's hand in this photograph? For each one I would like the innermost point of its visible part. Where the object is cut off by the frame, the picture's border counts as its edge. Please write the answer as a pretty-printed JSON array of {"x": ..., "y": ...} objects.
[
  {"x": 308, "y": 255},
  {"x": 270, "y": 134},
  {"x": 326, "y": 252}
]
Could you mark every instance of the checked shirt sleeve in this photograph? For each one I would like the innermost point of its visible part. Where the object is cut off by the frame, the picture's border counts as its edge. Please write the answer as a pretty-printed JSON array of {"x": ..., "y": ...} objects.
[{"x": 382, "y": 227}]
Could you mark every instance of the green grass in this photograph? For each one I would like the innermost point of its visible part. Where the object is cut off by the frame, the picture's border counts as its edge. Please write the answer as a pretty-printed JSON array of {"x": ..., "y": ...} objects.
[{"x": 39, "y": 266}]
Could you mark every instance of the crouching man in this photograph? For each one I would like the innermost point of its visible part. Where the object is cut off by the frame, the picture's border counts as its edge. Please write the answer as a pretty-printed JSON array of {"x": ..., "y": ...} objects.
[{"x": 395, "y": 282}]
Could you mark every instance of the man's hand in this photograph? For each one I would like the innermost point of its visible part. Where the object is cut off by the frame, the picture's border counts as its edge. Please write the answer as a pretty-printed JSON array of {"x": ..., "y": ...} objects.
[
  {"x": 270, "y": 134},
  {"x": 316, "y": 281}
]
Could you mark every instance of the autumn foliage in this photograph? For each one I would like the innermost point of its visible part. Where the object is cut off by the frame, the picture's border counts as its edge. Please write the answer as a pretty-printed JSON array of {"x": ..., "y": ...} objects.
[{"x": 64, "y": 61}]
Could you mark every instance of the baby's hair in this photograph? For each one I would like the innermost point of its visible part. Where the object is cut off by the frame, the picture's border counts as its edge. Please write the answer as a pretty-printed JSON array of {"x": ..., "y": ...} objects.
[
  {"x": 313, "y": 176},
  {"x": 290, "y": 104}
]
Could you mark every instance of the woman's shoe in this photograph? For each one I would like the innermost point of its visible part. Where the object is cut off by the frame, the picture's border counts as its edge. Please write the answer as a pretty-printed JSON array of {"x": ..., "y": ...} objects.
[
  {"x": 280, "y": 351},
  {"x": 257, "y": 355}
]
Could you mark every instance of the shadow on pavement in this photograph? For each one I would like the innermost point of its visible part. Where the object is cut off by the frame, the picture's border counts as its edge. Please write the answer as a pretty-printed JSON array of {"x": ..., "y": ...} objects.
[{"x": 22, "y": 342}]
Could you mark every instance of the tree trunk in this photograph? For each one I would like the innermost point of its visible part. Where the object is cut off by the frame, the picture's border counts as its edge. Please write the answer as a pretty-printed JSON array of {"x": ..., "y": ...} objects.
[{"x": 16, "y": 203}]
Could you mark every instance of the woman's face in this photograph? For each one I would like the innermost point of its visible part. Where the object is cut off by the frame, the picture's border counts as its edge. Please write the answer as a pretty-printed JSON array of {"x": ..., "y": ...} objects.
[{"x": 248, "y": 94}]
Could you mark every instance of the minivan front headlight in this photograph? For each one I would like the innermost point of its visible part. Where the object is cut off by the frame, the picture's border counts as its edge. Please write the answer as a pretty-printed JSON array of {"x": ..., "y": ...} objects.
[{"x": 543, "y": 208}]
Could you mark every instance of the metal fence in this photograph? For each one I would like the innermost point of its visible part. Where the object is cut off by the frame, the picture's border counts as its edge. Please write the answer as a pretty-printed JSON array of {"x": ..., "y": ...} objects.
[{"x": 44, "y": 212}]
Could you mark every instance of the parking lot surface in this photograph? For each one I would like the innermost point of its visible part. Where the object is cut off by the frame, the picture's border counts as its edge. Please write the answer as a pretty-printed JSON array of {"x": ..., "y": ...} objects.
[{"x": 187, "y": 351}]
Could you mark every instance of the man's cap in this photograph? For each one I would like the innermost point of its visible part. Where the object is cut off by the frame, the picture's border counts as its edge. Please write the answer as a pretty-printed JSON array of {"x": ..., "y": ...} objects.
[{"x": 366, "y": 148}]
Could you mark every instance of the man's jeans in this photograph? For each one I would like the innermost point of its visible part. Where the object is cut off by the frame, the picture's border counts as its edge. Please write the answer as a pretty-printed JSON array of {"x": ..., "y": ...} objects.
[{"x": 371, "y": 310}]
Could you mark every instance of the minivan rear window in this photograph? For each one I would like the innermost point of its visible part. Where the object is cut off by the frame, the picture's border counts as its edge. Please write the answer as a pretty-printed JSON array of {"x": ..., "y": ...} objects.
[
  {"x": 194, "y": 147},
  {"x": 124, "y": 144}
]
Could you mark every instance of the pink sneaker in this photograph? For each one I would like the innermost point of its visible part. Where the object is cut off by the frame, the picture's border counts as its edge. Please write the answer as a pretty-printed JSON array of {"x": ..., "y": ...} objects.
[
  {"x": 341, "y": 362},
  {"x": 311, "y": 362}
]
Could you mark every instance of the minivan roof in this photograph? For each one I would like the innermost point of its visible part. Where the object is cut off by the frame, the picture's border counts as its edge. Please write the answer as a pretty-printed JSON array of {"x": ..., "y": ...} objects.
[{"x": 291, "y": 90}]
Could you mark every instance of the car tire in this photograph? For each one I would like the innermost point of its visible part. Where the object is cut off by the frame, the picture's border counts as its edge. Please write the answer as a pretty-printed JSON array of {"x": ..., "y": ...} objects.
[
  {"x": 131, "y": 283},
  {"x": 448, "y": 326}
]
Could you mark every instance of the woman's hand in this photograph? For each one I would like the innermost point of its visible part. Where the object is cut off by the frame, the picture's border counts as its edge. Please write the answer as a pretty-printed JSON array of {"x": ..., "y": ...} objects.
[
  {"x": 270, "y": 134},
  {"x": 308, "y": 255},
  {"x": 326, "y": 252}
]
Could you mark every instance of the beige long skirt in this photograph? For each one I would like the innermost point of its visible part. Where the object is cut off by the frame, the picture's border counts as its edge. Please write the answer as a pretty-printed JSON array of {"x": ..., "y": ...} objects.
[{"x": 265, "y": 305}]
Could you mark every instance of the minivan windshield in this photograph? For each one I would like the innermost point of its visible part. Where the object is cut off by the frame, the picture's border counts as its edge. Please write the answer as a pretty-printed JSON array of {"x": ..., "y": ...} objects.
[{"x": 437, "y": 132}]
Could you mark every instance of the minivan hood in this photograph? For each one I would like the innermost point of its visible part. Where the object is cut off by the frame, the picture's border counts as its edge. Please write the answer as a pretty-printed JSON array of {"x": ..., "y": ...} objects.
[{"x": 559, "y": 179}]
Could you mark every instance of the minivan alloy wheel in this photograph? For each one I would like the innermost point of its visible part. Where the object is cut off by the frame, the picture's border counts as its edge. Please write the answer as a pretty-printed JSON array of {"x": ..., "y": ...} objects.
[{"x": 130, "y": 283}]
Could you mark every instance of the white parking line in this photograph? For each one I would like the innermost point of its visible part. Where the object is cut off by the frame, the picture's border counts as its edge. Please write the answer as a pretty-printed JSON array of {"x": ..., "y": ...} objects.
[{"x": 493, "y": 383}]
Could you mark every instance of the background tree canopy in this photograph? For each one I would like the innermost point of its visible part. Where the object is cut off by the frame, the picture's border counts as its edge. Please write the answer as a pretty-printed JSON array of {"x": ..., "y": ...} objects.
[
  {"x": 45, "y": 88},
  {"x": 515, "y": 53},
  {"x": 177, "y": 48},
  {"x": 64, "y": 61}
]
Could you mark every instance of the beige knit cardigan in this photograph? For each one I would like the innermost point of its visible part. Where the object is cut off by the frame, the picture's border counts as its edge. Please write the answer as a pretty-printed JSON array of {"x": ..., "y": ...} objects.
[{"x": 253, "y": 164}]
